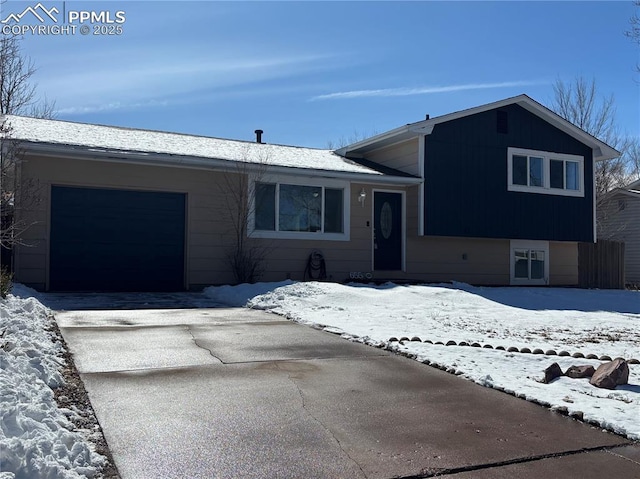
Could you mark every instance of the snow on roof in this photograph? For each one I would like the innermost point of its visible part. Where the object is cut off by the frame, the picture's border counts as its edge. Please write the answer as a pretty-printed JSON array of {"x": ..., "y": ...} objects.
[{"x": 128, "y": 141}]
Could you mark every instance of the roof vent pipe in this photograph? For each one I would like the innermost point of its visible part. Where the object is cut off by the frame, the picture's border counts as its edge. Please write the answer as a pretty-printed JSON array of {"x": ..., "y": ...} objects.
[
  {"x": 259, "y": 136},
  {"x": 426, "y": 117}
]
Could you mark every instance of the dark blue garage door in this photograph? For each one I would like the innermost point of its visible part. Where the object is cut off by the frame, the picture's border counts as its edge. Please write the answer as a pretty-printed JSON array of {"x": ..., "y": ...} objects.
[{"x": 116, "y": 240}]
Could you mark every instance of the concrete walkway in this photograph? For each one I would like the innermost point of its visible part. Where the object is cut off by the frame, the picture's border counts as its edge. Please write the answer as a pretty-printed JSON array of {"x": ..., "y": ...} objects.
[{"x": 233, "y": 393}]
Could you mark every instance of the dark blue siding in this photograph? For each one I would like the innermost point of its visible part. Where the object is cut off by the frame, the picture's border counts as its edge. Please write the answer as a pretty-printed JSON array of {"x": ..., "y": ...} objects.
[
  {"x": 116, "y": 240},
  {"x": 466, "y": 181}
]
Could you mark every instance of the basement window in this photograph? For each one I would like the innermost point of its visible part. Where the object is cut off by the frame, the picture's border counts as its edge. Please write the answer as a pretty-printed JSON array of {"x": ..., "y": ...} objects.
[{"x": 529, "y": 262}]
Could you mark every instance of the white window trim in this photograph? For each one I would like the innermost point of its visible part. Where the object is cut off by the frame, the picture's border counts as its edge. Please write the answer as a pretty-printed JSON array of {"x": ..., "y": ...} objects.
[
  {"x": 546, "y": 156},
  {"x": 529, "y": 245},
  {"x": 301, "y": 181}
]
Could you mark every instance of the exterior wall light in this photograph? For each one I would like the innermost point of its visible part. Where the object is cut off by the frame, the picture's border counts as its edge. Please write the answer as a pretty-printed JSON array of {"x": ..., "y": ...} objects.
[{"x": 362, "y": 196}]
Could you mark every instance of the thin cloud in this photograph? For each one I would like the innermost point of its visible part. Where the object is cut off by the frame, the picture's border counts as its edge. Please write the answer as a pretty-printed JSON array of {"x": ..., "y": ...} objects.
[
  {"x": 138, "y": 84},
  {"x": 390, "y": 92},
  {"x": 83, "y": 110}
]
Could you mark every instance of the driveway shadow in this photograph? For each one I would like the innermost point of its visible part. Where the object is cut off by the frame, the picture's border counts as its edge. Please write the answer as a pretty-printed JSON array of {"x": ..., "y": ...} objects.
[{"x": 123, "y": 301}]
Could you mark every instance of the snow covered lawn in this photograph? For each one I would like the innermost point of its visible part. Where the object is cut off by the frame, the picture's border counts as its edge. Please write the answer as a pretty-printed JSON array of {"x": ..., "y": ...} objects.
[
  {"x": 601, "y": 323},
  {"x": 37, "y": 438}
]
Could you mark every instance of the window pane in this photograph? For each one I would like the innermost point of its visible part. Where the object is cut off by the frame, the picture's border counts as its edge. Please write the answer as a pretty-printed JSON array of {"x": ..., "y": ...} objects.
[
  {"x": 519, "y": 175},
  {"x": 573, "y": 182},
  {"x": 300, "y": 208},
  {"x": 522, "y": 264},
  {"x": 557, "y": 173},
  {"x": 535, "y": 171},
  {"x": 333, "y": 211},
  {"x": 265, "y": 207},
  {"x": 537, "y": 264}
]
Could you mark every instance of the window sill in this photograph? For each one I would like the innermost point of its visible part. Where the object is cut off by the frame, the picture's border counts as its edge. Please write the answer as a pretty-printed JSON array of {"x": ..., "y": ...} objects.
[
  {"x": 545, "y": 191},
  {"x": 299, "y": 235},
  {"x": 529, "y": 282}
]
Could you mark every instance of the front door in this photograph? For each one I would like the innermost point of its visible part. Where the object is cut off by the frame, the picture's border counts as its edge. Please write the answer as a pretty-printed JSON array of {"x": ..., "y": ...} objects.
[{"x": 387, "y": 231}]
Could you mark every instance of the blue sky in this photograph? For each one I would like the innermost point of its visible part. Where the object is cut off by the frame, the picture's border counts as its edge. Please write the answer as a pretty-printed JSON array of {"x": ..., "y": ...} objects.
[{"x": 312, "y": 72}]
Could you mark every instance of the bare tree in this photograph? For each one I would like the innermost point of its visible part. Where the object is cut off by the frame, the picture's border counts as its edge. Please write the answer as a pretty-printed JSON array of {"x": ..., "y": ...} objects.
[
  {"x": 355, "y": 137},
  {"x": 17, "y": 89},
  {"x": 248, "y": 255},
  {"x": 17, "y": 96},
  {"x": 580, "y": 103},
  {"x": 634, "y": 31}
]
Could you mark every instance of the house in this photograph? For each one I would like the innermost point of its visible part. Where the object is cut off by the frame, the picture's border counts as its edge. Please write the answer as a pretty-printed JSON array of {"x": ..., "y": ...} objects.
[
  {"x": 620, "y": 221},
  {"x": 498, "y": 194}
]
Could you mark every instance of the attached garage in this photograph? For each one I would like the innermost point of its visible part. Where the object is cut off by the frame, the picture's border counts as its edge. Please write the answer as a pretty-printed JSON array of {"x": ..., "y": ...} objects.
[{"x": 116, "y": 240}]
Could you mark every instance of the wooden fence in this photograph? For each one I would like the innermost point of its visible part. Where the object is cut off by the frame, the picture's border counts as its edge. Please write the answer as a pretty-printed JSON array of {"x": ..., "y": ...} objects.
[{"x": 601, "y": 265}]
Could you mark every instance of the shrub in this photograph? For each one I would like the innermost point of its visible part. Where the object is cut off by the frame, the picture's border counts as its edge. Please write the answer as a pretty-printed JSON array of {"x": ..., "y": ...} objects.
[{"x": 5, "y": 282}]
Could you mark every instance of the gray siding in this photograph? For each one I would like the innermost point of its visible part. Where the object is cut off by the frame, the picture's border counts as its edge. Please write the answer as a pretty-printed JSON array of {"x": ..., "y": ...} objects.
[{"x": 623, "y": 225}]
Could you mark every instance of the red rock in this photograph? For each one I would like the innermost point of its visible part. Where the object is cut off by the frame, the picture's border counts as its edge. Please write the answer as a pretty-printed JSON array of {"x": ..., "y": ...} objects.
[{"x": 611, "y": 374}]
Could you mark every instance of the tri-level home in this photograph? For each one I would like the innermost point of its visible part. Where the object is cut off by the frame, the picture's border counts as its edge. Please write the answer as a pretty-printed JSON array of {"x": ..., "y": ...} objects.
[{"x": 500, "y": 194}]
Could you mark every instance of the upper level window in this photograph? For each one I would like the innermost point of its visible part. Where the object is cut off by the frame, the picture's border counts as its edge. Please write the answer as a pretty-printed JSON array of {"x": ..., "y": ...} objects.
[
  {"x": 303, "y": 211},
  {"x": 544, "y": 172}
]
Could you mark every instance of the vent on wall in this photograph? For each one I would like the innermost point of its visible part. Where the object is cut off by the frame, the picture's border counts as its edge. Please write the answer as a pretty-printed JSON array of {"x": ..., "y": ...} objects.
[{"x": 502, "y": 124}]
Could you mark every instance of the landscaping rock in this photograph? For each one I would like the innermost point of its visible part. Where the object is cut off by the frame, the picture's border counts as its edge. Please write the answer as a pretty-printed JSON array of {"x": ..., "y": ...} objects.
[
  {"x": 551, "y": 373},
  {"x": 577, "y": 372},
  {"x": 611, "y": 374}
]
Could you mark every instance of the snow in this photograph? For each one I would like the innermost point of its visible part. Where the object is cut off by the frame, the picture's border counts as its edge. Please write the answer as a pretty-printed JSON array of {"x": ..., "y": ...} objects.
[
  {"x": 131, "y": 141},
  {"x": 37, "y": 439},
  {"x": 559, "y": 319}
]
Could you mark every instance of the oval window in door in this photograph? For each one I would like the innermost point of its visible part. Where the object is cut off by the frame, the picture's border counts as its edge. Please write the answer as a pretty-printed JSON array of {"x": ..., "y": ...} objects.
[{"x": 386, "y": 220}]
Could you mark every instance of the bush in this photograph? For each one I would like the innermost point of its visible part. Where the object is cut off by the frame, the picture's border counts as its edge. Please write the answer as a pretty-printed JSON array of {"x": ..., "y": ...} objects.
[{"x": 5, "y": 282}]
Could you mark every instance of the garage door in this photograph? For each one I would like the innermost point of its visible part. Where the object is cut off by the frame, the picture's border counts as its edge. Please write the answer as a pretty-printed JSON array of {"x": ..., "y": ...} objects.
[{"x": 116, "y": 240}]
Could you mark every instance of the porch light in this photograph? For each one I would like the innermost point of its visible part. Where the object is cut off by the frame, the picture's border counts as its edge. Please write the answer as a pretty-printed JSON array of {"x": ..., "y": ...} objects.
[{"x": 362, "y": 196}]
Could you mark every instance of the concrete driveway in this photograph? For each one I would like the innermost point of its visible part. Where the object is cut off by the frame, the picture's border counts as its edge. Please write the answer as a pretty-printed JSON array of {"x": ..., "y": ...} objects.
[{"x": 234, "y": 393}]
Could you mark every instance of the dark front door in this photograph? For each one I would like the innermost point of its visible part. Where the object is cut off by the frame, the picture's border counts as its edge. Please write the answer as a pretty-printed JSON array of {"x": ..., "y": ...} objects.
[
  {"x": 387, "y": 232},
  {"x": 116, "y": 240}
]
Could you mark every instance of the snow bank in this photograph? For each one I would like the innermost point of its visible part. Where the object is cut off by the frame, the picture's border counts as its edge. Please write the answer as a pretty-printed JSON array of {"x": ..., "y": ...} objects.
[
  {"x": 562, "y": 319},
  {"x": 36, "y": 437},
  {"x": 241, "y": 294}
]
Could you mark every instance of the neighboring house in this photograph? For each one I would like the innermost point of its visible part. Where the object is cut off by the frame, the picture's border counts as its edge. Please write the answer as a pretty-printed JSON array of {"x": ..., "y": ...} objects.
[
  {"x": 499, "y": 194},
  {"x": 620, "y": 221}
]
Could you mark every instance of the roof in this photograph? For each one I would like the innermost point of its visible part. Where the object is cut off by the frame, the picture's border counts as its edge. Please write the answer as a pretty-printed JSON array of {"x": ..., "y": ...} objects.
[
  {"x": 634, "y": 186},
  {"x": 631, "y": 190},
  {"x": 158, "y": 147},
  {"x": 601, "y": 150}
]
